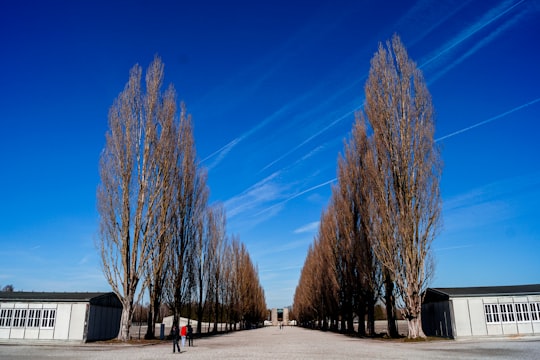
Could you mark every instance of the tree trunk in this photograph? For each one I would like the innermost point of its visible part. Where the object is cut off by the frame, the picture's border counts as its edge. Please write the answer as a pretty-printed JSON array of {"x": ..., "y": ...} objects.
[
  {"x": 125, "y": 323},
  {"x": 151, "y": 327},
  {"x": 153, "y": 316},
  {"x": 390, "y": 307},
  {"x": 414, "y": 327},
  {"x": 371, "y": 316},
  {"x": 200, "y": 309},
  {"x": 350, "y": 324},
  {"x": 361, "y": 320},
  {"x": 216, "y": 319}
]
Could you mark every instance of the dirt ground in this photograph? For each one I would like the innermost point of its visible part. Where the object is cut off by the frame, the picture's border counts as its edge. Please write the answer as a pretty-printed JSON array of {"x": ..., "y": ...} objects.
[{"x": 289, "y": 343}]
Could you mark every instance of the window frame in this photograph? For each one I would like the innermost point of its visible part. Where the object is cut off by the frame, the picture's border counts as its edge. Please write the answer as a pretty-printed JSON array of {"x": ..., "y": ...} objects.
[
  {"x": 522, "y": 312},
  {"x": 19, "y": 318},
  {"x": 48, "y": 318},
  {"x": 508, "y": 313},
  {"x": 492, "y": 314},
  {"x": 34, "y": 318},
  {"x": 534, "y": 309},
  {"x": 6, "y": 317}
]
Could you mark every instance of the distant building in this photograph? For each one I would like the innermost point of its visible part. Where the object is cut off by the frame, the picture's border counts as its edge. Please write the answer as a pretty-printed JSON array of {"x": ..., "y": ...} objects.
[
  {"x": 59, "y": 316},
  {"x": 482, "y": 311},
  {"x": 279, "y": 316}
]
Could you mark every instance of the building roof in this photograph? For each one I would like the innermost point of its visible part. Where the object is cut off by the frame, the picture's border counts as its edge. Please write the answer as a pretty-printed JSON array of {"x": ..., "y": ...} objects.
[
  {"x": 440, "y": 294},
  {"x": 90, "y": 297}
]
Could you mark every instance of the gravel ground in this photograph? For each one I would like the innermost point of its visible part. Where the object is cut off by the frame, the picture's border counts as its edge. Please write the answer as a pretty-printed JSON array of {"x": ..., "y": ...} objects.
[{"x": 290, "y": 343}]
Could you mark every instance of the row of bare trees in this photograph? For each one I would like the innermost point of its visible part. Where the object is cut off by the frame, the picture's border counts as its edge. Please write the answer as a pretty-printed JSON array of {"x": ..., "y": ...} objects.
[
  {"x": 374, "y": 239},
  {"x": 158, "y": 233}
]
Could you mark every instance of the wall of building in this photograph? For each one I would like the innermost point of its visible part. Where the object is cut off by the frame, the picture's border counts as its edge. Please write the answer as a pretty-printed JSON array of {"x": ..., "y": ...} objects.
[
  {"x": 77, "y": 321},
  {"x": 66, "y": 324},
  {"x": 470, "y": 316},
  {"x": 437, "y": 319},
  {"x": 103, "y": 323},
  {"x": 276, "y": 319}
]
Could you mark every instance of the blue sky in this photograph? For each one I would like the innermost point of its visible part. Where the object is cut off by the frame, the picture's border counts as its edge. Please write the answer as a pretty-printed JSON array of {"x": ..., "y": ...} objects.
[{"x": 272, "y": 88}]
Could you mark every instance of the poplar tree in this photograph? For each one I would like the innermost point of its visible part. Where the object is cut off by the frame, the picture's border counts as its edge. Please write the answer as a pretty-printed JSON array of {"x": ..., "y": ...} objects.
[
  {"x": 190, "y": 201},
  {"x": 129, "y": 195},
  {"x": 407, "y": 168}
]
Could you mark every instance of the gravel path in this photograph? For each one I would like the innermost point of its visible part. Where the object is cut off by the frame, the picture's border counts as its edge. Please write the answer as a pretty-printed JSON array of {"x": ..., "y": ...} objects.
[{"x": 291, "y": 343}]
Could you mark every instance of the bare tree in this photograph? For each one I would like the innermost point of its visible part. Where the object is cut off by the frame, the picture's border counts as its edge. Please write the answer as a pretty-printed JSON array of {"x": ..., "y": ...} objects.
[
  {"x": 7, "y": 288},
  {"x": 206, "y": 258},
  {"x": 129, "y": 190},
  {"x": 246, "y": 299},
  {"x": 235, "y": 282},
  {"x": 342, "y": 279},
  {"x": 353, "y": 196},
  {"x": 226, "y": 285},
  {"x": 190, "y": 197},
  {"x": 408, "y": 167},
  {"x": 217, "y": 248},
  {"x": 326, "y": 269},
  {"x": 160, "y": 226},
  {"x": 252, "y": 304},
  {"x": 316, "y": 299},
  {"x": 342, "y": 235}
]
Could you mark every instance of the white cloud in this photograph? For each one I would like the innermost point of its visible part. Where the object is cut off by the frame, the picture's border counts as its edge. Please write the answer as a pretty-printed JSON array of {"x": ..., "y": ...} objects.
[
  {"x": 261, "y": 194},
  {"x": 308, "y": 228}
]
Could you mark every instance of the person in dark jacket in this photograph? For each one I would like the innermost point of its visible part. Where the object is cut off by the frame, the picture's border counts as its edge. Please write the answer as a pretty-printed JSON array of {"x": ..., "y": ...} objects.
[
  {"x": 175, "y": 334},
  {"x": 190, "y": 335}
]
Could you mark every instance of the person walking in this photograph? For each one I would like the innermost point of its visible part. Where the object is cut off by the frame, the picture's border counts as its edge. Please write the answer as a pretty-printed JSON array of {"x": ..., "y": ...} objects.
[
  {"x": 183, "y": 333},
  {"x": 175, "y": 335},
  {"x": 190, "y": 335}
]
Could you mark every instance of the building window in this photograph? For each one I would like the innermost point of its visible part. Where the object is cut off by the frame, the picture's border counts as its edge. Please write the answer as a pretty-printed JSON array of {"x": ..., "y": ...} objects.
[
  {"x": 34, "y": 317},
  {"x": 489, "y": 316},
  {"x": 492, "y": 313},
  {"x": 522, "y": 312},
  {"x": 31, "y": 318},
  {"x": 6, "y": 316},
  {"x": 19, "y": 319},
  {"x": 507, "y": 313},
  {"x": 49, "y": 315},
  {"x": 535, "y": 311}
]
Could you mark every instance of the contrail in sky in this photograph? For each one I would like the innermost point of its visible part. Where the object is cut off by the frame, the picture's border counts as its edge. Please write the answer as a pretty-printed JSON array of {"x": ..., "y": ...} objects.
[
  {"x": 310, "y": 138},
  {"x": 485, "y": 41},
  {"x": 454, "y": 247},
  {"x": 471, "y": 30},
  {"x": 296, "y": 195},
  {"x": 505, "y": 13},
  {"x": 488, "y": 120},
  {"x": 532, "y": 102},
  {"x": 224, "y": 150},
  {"x": 492, "y": 16},
  {"x": 436, "y": 140}
]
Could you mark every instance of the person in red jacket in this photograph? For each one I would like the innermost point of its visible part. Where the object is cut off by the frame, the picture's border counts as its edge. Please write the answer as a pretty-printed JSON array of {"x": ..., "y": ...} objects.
[{"x": 183, "y": 333}]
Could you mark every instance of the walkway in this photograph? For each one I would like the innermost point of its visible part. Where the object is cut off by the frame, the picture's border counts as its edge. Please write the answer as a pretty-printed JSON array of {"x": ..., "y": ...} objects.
[{"x": 290, "y": 343}]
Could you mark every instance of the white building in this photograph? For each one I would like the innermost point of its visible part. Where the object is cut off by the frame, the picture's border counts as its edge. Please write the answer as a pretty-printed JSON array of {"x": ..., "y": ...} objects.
[
  {"x": 59, "y": 316},
  {"x": 482, "y": 311}
]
